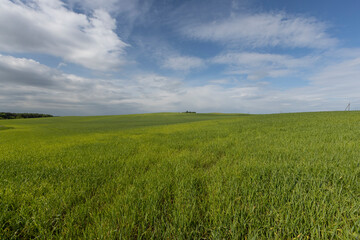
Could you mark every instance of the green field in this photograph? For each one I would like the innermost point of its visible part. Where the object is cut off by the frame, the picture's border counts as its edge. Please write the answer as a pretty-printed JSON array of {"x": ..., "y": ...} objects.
[{"x": 181, "y": 176}]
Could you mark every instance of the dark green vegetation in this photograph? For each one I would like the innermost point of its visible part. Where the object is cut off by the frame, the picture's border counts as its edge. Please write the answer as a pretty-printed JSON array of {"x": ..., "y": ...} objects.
[
  {"x": 8, "y": 115},
  {"x": 4, "y": 128},
  {"x": 181, "y": 176}
]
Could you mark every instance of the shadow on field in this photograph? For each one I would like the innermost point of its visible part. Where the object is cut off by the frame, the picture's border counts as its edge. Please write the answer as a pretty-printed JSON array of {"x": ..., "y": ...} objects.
[{"x": 5, "y": 128}]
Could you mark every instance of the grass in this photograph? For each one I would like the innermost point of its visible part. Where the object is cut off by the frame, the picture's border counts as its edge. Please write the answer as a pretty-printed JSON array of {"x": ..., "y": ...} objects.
[
  {"x": 4, "y": 128},
  {"x": 181, "y": 176}
]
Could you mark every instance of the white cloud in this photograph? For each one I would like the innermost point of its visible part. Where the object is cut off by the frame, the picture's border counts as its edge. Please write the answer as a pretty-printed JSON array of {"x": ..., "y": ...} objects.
[
  {"x": 183, "y": 63},
  {"x": 27, "y": 72},
  {"x": 131, "y": 8},
  {"x": 260, "y": 65},
  {"x": 48, "y": 27},
  {"x": 342, "y": 77},
  {"x": 61, "y": 65},
  {"x": 262, "y": 30},
  {"x": 26, "y": 84},
  {"x": 329, "y": 88},
  {"x": 220, "y": 81}
]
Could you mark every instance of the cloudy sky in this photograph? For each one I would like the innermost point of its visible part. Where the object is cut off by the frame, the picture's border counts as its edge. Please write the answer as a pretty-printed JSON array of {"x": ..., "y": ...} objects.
[{"x": 93, "y": 57}]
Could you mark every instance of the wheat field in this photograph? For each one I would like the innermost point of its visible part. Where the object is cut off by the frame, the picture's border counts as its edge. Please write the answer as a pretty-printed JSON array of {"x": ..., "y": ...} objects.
[{"x": 181, "y": 176}]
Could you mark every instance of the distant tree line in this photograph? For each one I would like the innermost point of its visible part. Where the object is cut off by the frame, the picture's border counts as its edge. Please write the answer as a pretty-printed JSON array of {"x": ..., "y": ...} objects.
[
  {"x": 189, "y": 112},
  {"x": 8, "y": 115}
]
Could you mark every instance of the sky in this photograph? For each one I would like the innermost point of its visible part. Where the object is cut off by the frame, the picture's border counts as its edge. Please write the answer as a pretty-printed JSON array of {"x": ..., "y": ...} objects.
[{"x": 93, "y": 57}]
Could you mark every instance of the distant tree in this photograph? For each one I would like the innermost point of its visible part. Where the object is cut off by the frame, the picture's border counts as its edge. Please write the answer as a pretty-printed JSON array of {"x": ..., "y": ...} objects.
[{"x": 8, "y": 115}]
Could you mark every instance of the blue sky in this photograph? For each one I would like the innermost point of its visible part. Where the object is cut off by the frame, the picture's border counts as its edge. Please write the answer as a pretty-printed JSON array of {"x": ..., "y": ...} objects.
[{"x": 93, "y": 57}]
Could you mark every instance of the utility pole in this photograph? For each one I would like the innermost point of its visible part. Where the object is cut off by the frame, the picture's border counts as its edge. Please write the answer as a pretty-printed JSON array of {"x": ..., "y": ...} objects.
[{"x": 347, "y": 107}]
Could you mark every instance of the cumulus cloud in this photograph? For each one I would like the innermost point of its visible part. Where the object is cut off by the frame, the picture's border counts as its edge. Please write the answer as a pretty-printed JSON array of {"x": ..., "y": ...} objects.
[
  {"x": 263, "y": 30},
  {"x": 27, "y": 72},
  {"x": 29, "y": 85},
  {"x": 48, "y": 27}
]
